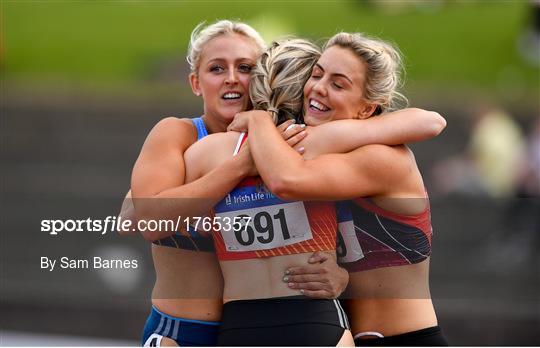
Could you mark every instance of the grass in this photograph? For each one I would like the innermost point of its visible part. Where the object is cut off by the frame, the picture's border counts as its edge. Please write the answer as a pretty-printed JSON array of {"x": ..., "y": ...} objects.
[{"x": 105, "y": 43}]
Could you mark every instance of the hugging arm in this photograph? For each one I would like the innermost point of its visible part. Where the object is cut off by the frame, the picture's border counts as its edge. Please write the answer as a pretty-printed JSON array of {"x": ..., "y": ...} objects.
[
  {"x": 321, "y": 278},
  {"x": 398, "y": 127},
  {"x": 395, "y": 128},
  {"x": 158, "y": 178},
  {"x": 366, "y": 171}
]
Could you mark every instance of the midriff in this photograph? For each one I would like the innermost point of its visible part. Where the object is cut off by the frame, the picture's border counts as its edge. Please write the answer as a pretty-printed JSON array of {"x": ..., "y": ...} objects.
[
  {"x": 259, "y": 278},
  {"x": 391, "y": 301},
  {"x": 188, "y": 283}
]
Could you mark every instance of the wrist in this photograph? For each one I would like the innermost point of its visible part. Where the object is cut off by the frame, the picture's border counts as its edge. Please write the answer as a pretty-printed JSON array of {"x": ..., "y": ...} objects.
[
  {"x": 257, "y": 116},
  {"x": 239, "y": 165}
]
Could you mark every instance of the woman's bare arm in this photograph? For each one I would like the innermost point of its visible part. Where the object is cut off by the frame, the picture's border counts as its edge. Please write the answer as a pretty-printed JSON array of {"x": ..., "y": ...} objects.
[
  {"x": 399, "y": 127},
  {"x": 158, "y": 177},
  {"x": 369, "y": 170}
]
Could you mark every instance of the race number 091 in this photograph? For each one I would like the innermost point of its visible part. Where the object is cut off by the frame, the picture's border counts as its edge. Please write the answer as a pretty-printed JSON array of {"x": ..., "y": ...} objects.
[{"x": 263, "y": 225}]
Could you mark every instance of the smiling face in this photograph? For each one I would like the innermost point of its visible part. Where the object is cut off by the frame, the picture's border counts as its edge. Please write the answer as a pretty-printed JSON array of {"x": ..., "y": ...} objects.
[
  {"x": 335, "y": 89},
  {"x": 223, "y": 75}
]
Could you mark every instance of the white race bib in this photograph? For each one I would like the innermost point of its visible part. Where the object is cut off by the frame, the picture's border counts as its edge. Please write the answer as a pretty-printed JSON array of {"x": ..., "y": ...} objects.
[{"x": 270, "y": 226}]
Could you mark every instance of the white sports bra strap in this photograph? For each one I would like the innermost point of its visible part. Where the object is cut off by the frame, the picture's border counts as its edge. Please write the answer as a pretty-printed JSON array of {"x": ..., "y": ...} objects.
[
  {"x": 368, "y": 333},
  {"x": 239, "y": 143}
]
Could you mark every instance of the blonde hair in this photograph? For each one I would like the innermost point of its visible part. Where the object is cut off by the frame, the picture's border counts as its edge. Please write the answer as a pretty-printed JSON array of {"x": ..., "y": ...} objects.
[
  {"x": 277, "y": 81},
  {"x": 201, "y": 35},
  {"x": 384, "y": 69}
]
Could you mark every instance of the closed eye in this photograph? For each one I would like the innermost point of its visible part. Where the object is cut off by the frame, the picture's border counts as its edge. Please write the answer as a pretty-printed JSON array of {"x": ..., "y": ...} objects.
[{"x": 245, "y": 68}]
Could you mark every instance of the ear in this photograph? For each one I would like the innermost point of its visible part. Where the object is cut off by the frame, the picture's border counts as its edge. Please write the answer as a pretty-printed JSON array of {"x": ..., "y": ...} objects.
[
  {"x": 366, "y": 111},
  {"x": 194, "y": 82}
]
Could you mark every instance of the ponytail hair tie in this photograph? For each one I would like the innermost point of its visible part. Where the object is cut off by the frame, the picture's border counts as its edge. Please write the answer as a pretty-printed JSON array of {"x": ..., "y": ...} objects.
[{"x": 273, "y": 110}]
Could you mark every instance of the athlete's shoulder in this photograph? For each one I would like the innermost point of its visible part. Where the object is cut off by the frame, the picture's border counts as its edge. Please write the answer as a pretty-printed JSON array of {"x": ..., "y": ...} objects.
[
  {"x": 207, "y": 153},
  {"x": 173, "y": 124},
  {"x": 173, "y": 131},
  {"x": 383, "y": 152},
  {"x": 388, "y": 153},
  {"x": 390, "y": 162},
  {"x": 217, "y": 143}
]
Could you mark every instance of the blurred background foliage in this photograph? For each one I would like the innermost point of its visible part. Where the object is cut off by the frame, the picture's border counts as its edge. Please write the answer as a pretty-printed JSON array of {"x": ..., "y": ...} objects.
[{"x": 449, "y": 46}]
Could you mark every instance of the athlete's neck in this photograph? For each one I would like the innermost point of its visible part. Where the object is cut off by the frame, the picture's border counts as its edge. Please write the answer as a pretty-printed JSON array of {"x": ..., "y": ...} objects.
[{"x": 213, "y": 124}]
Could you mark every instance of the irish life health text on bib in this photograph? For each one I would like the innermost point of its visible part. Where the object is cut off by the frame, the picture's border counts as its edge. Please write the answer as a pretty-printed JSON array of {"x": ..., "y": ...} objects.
[{"x": 271, "y": 222}]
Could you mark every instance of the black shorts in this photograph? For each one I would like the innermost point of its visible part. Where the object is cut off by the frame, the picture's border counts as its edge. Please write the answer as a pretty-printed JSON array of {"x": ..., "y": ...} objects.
[
  {"x": 282, "y": 321},
  {"x": 431, "y": 336}
]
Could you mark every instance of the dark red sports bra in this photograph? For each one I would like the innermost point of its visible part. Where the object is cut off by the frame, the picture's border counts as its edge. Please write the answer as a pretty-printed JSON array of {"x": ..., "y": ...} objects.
[{"x": 371, "y": 237}]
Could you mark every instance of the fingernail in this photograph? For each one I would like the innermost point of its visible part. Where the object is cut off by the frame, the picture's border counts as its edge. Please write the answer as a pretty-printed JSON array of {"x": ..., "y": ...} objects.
[
  {"x": 286, "y": 279},
  {"x": 290, "y": 285},
  {"x": 303, "y": 125},
  {"x": 301, "y": 150},
  {"x": 311, "y": 259},
  {"x": 293, "y": 121},
  {"x": 302, "y": 133},
  {"x": 287, "y": 272},
  {"x": 302, "y": 291}
]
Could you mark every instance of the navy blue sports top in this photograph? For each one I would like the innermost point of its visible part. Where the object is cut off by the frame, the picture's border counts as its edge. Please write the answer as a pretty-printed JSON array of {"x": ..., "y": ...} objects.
[{"x": 195, "y": 240}]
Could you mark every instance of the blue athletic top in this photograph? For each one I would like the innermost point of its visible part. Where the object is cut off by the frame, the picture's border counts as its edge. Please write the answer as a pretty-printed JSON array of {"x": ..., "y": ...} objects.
[
  {"x": 201, "y": 128},
  {"x": 195, "y": 240}
]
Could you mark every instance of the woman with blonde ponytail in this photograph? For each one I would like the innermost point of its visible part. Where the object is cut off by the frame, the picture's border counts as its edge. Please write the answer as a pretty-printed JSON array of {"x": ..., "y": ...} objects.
[
  {"x": 271, "y": 235},
  {"x": 385, "y": 228}
]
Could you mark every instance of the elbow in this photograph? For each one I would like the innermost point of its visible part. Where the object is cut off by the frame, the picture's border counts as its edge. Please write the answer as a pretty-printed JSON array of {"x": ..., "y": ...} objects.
[
  {"x": 440, "y": 123},
  {"x": 437, "y": 123},
  {"x": 148, "y": 234},
  {"x": 140, "y": 220},
  {"x": 282, "y": 187}
]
